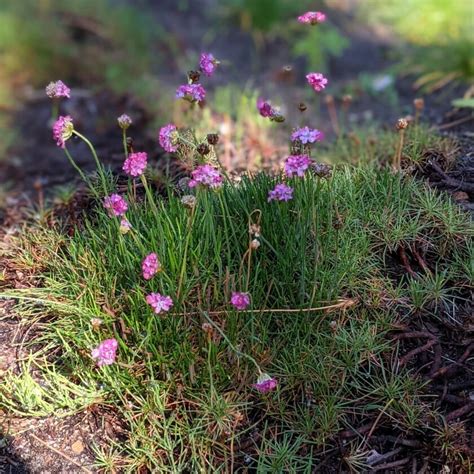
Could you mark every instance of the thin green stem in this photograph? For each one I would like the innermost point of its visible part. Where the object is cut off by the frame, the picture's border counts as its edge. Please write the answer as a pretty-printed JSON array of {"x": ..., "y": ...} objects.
[{"x": 149, "y": 194}]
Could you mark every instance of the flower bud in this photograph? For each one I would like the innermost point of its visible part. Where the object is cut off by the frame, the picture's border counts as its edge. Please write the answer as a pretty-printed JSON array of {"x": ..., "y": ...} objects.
[{"x": 124, "y": 121}]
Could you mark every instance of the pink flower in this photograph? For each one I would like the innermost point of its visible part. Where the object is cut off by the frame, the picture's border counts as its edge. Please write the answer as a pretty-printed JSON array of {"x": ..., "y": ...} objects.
[
  {"x": 307, "y": 135},
  {"x": 150, "y": 266},
  {"x": 115, "y": 205},
  {"x": 168, "y": 138},
  {"x": 135, "y": 164},
  {"x": 191, "y": 92},
  {"x": 105, "y": 352},
  {"x": 62, "y": 130},
  {"x": 240, "y": 300},
  {"x": 124, "y": 121},
  {"x": 55, "y": 90},
  {"x": 281, "y": 192},
  {"x": 312, "y": 18},
  {"x": 317, "y": 81},
  {"x": 159, "y": 303},
  {"x": 206, "y": 175},
  {"x": 297, "y": 165},
  {"x": 208, "y": 64},
  {"x": 265, "y": 383}
]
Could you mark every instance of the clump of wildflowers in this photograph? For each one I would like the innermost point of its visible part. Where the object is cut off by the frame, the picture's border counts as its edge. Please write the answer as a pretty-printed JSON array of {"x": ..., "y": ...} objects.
[
  {"x": 62, "y": 130},
  {"x": 135, "y": 164},
  {"x": 105, "y": 352},
  {"x": 191, "y": 92},
  {"x": 206, "y": 175},
  {"x": 124, "y": 121},
  {"x": 312, "y": 18},
  {"x": 317, "y": 81},
  {"x": 159, "y": 303},
  {"x": 56, "y": 90},
  {"x": 240, "y": 300},
  {"x": 208, "y": 64},
  {"x": 307, "y": 135},
  {"x": 150, "y": 266},
  {"x": 281, "y": 192},
  {"x": 297, "y": 165},
  {"x": 168, "y": 138},
  {"x": 265, "y": 383},
  {"x": 115, "y": 205}
]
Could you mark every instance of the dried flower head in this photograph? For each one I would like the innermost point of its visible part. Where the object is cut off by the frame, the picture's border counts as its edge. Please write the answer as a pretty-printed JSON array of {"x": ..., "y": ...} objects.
[
  {"x": 124, "y": 121},
  {"x": 312, "y": 18},
  {"x": 322, "y": 170},
  {"x": 281, "y": 192},
  {"x": 56, "y": 90},
  {"x": 63, "y": 129},
  {"x": 212, "y": 138},
  {"x": 206, "y": 175},
  {"x": 402, "y": 124},
  {"x": 159, "y": 303},
  {"x": 265, "y": 383},
  {"x": 96, "y": 323},
  {"x": 150, "y": 266},
  {"x": 191, "y": 92},
  {"x": 125, "y": 226},
  {"x": 255, "y": 230},
  {"x": 183, "y": 184},
  {"x": 189, "y": 201},
  {"x": 168, "y": 138},
  {"x": 115, "y": 205},
  {"x": 135, "y": 164},
  {"x": 297, "y": 165},
  {"x": 307, "y": 135},
  {"x": 105, "y": 352},
  {"x": 240, "y": 300},
  {"x": 208, "y": 64},
  {"x": 203, "y": 149},
  {"x": 254, "y": 244},
  {"x": 317, "y": 81}
]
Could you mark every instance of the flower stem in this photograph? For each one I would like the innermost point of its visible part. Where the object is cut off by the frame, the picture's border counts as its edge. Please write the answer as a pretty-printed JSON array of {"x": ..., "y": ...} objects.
[
  {"x": 149, "y": 194},
  {"x": 81, "y": 173}
]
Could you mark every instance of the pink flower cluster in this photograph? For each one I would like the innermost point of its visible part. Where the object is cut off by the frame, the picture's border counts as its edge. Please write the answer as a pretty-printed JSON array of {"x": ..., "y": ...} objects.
[
  {"x": 281, "y": 192},
  {"x": 62, "y": 130},
  {"x": 115, "y": 205},
  {"x": 265, "y": 383},
  {"x": 297, "y": 165},
  {"x": 317, "y": 81},
  {"x": 208, "y": 64},
  {"x": 168, "y": 138},
  {"x": 159, "y": 303},
  {"x": 312, "y": 18},
  {"x": 206, "y": 175},
  {"x": 240, "y": 300},
  {"x": 105, "y": 352},
  {"x": 307, "y": 135},
  {"x": 135, "y": 164},
  {"x": 56, "y": 90},
  {"x": 150, "y": 266},
  {"x": 191, "y": 92}
]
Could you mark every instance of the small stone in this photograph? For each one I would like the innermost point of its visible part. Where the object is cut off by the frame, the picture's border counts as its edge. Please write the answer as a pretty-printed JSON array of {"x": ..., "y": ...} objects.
[
  {"x": 77, "y": 447},
  {"x": 460, "y": 196}
]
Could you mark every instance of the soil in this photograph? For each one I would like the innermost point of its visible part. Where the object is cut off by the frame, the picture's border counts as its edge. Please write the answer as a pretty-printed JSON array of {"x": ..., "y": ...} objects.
[{"x": 438, "y": 349}]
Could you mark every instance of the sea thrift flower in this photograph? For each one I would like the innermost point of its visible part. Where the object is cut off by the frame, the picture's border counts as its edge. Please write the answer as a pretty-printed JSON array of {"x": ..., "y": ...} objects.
[
  {"x": 206, "y": 175},
  {"x": 125, "y": 225},
  {"x": 150, "y": 266},
  {"x": 159, "y": 303},
  {"x": 116, "y": 205},
  {"x": 189, "y": 201},
  {"x": 135, "y": 164},
  {"x": 265, "y": 383},
  {"x": 191, "y": 92},
  {"x": 312, "y": 18},
  {"x": 56, "y": 90},
  {"x": 265, "y": 108},
  {"x": 105, "y": 352},
  {"x": 317, "y": 81},
  {"x": 281, "y": 192},
  {"x": 168, "y": 138},
  {"x": 297, "y": 165},
  {"x": 62, "y": 130},
  {"x": 240, "y": 300},
  {"x": 124, "y": 121},
  {"x": 208, "y": 64},
  {"x": 307, "y": 135}
]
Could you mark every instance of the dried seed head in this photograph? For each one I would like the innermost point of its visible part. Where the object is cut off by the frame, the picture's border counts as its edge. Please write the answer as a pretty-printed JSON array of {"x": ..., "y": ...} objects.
[
  {"x": 207, "y": 328},
  {"x": 255, "y": 230},
  {"x": 255, "y": 244},
  {"x": 194, "y": 76},
  {"x": 333, "y": 326},
  {"x": 212, "y": 138},
  {"x": 302, "y": 107},
  {"x": 96, "y": 323},
  {"x": 419, "y": 103},
  {"x": 203, "y": 149},
  {"x": 189, "y": 201},
  {"x": 322, "y": 170},
  {"x": 402, "y": 124}
]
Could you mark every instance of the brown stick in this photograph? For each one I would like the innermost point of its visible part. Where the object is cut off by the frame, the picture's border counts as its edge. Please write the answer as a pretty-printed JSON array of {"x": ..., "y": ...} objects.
[
  {"x": 417, "y": 351},
  {"x": 455, "y": 365},
  {"x": 405, "y": 262},
  {"x": 465, "y": 410},
  {"x": 390, "y": 465},
  {"x": 420, "y": 259}
]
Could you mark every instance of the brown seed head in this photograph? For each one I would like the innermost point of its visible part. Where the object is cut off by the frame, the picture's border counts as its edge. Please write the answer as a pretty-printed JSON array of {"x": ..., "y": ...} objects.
[
  {"x": 402, "y": 124},
  {"x": 203, "y": 149},
  {"x": 212, "y": 138}
]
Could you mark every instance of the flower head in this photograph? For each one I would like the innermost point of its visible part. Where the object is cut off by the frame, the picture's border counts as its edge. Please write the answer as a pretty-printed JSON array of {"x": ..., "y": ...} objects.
[
  {"x": 297, "y": 165},
  {"x": 307, "y": 135},
  {"x": 150, "y": 266},
  {"x": 240, "y": 300},
  {"x": 159, "y": 303},
  {"x": 105, "y": 352},
  {"x": 115, "y": 205},
  {"x": 125, "y": 225},
  {"x": 189, "y": 201},
  {"x": 312, "y": 18},
  {"x": 168, "y": 138},
  {"x": 124, "y": 121},
  {"x": 265, "y": 108},
  {"x": 208, "y": 63},
  {"x": 265, "y": 383},
  {"x": 135, "y": 164},
  {"x": 317, "y": 81},
  {"x": 62, "y": 130},
  {"x": 281, "y": 192},
  {"x": 55, "y": 90},
  {"x": 206, "y": 175},
  {"x": 191, "y": 92}
]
